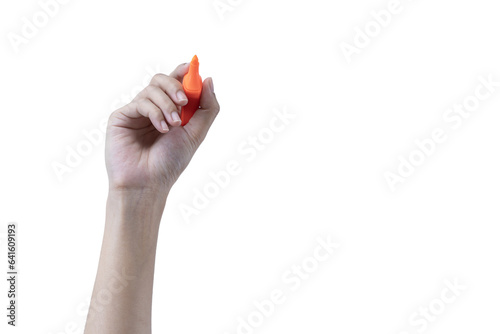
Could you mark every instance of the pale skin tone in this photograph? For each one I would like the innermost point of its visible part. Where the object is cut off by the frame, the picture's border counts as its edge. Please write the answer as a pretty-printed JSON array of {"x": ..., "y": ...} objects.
[{"x": 146, "y": 151}]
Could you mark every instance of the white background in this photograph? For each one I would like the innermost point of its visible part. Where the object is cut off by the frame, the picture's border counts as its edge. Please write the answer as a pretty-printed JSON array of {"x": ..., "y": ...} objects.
[{"x": 323, "y": 175}]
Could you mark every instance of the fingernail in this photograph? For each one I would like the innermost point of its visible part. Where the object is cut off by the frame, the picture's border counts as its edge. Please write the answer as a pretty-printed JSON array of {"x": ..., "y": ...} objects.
[
  {"x": 212, "y": 85},
  {"x": 175, "y": 117},
  {"x": 164, "y": 126},
  {"x": 181, "y": 96}
]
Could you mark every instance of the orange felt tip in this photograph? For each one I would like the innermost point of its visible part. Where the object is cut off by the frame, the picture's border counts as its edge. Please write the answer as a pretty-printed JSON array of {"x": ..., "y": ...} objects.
[{"x": 192, "y": 85}]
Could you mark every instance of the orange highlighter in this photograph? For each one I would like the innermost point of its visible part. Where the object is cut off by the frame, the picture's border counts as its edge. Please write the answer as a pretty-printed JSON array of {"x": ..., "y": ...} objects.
[{"x": 192, "y": 85}]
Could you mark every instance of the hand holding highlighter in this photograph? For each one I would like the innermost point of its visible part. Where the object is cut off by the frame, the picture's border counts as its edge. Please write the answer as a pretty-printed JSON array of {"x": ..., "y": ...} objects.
[{"x": 192, "y": 85}]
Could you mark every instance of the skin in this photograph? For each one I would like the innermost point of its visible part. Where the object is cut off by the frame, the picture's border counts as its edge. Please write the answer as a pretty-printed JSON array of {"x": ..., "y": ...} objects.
[{"x": 146, "y": 151}]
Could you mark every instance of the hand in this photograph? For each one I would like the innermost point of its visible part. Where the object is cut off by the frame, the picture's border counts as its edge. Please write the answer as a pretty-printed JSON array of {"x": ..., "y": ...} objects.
[{"x": 142, "y": 151}]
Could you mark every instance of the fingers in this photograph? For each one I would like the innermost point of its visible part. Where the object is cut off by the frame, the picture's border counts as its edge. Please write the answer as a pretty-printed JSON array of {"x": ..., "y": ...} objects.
[
  {"x": 162, "y": 100},
  {"x": 171, "y": 86},
  {"x": 169, "y": 109},
  {"x": 147, "y": 108},
  {"x": 203, "y": 118},
  {"x": 180, "y": 71},
  {"x": 167, "y": 94},
  {"x": 175, "y": 97},
  {"x": 208, "y": 100}
]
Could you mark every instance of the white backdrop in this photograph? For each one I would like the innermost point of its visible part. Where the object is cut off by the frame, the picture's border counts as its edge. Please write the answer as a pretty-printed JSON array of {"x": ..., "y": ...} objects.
[{"x": 357, "y": 85}]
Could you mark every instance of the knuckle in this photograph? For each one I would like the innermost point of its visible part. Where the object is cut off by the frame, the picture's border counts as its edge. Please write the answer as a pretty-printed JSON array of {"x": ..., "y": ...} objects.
[
  {"x": 157, "y": 78},
  {"x": 117, "y": 114},
  {"x": 169, "y": 83},
  {"x": 112, "y": 117},
  {"x": 170, "y": 105},
  {"x": 149, "y": 89},
  {"x": 164, "y": 103},
  {"x": 216, "y": 107}
]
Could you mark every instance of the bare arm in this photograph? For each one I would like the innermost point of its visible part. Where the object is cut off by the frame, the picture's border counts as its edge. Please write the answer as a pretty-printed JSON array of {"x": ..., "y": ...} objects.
[{"x": 146, "y": 151}]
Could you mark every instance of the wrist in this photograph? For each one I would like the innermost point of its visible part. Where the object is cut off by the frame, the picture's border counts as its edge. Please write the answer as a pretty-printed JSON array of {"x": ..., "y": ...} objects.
[
  {"x": 135, "y": 206},
  {"x": 157, "y": 189},
  {"x": 154, "y": 193}
]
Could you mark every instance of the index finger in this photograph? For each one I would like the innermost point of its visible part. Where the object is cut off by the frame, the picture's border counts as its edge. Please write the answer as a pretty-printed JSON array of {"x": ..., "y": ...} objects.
[{"x": 180, "y": 71}]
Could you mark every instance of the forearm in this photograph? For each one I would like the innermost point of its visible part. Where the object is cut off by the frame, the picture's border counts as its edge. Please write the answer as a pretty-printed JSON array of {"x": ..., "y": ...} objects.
[
  {"x": 122, "y": 296},
  {"x": 145, "y": 154}
]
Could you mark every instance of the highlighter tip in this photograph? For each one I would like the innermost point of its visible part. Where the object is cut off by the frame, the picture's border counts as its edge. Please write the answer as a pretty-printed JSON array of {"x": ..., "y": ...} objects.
[{"x": 195, "y": 60}]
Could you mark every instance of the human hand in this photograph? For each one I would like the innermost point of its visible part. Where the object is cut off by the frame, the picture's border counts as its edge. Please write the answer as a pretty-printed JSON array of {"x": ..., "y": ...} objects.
[{"x": 146, "y": 148}]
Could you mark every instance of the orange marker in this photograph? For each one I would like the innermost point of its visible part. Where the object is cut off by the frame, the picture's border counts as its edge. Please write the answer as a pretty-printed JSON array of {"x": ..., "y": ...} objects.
[{"x": 192, "y": 87}]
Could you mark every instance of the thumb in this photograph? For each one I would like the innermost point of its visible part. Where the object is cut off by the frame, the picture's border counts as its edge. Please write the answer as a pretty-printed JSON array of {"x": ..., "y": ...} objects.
[{"x": 203, "y": 118}]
